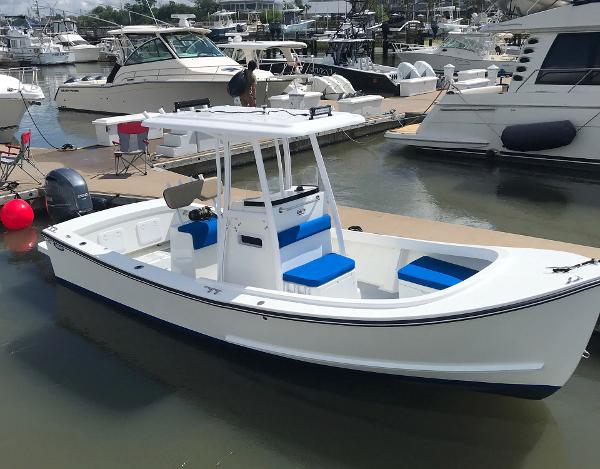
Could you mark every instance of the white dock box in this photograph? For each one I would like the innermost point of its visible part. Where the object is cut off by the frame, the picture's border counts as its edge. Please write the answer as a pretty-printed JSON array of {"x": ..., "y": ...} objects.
[
  {"x": 369, "y": 105},
  {"x": 106, "y": 127},
  {"x": 415, "y": 86}
]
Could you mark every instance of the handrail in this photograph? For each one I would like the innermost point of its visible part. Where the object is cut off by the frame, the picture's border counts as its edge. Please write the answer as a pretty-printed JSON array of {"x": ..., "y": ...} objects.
[{"x": 588, "y": 70}]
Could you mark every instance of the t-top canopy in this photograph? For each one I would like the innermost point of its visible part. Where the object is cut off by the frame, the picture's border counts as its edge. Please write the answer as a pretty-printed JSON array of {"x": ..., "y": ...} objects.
[
  {"x": 232, "y": 121},
  {"x": 263, "y": 45}
]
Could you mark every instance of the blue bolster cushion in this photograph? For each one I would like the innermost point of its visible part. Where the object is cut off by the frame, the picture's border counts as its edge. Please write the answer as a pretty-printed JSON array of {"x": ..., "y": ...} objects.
[
  {"x": 320, "y": 271},
  {"x": 303, "y": 230},
  {"x": 204, "y": 233},
  {"x": 434, "y": 273}
]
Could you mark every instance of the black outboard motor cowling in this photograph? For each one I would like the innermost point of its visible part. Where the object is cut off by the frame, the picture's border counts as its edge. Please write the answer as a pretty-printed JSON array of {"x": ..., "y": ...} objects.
[{"x": 67, "y": 195}]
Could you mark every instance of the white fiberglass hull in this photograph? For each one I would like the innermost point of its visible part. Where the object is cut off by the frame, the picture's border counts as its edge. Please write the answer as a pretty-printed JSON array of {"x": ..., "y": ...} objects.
[
  {"x": 526, "y": 347},
  {"x": 12, "y": 110},
  {"x": 55, "y": 58},
  {"x": 474, "y": 123},
  {"x": 138, "y": 97},
  {"x": 85, "y": 53},
  {"x": 439, "y": 61}
]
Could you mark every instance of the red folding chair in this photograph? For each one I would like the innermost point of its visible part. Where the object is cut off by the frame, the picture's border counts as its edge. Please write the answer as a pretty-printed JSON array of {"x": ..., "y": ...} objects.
[
  {"x": 132, "y": 149},
  {"x": 16, "y": 155}
]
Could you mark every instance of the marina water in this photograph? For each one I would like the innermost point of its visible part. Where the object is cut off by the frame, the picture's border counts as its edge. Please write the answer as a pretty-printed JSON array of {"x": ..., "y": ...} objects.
[{"x": 87, "y": 385}]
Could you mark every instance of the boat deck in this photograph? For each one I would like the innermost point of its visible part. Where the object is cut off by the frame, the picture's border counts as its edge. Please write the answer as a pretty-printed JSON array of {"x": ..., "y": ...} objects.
[{"x": 410, "y": 129}]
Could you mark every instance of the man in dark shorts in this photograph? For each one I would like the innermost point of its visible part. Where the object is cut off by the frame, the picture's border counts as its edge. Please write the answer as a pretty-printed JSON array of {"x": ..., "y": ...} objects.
[{"x": 248, "y": 97}]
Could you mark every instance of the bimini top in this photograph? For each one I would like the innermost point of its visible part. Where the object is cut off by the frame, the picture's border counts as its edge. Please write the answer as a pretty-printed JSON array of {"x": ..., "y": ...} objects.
[
  {"x": 263, "y": 45},
  {"x": 232, "y": 121},
  {"x": 575, "y": 18},
  {"x": 154, "y": 29}
]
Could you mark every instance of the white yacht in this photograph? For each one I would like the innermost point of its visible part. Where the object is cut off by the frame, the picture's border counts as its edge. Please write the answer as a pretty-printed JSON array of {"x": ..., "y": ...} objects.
[
  {"x": 223, "y": 25},
  {"x": 171, "y": 64},
  {"x": 276, "y": 273},
  {"x": 551, "y": 111},
  {"x": 466, "y": 51},
  {"x": 25, "y": 47},
  {"x": 18, "y": 89},
  {"x": 64, "y": 32},
  {"x": 293, "y": 24}
]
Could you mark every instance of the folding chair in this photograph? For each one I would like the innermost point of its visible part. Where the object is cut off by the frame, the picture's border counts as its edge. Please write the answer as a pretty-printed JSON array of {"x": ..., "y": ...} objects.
[
  {"x": 15, "y": 156},
  {"x": 132, "y": 148}
]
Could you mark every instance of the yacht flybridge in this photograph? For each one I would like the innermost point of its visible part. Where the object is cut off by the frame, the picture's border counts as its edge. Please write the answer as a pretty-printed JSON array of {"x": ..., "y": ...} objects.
[
  {"x": 162, "y": 65},
  {"x": 275, "y": 272},
  {"x": 551, "y": 111}
]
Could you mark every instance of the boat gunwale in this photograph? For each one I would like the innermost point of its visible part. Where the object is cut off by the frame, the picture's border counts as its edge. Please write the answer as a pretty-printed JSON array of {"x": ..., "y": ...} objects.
[{"x": 266, "y": 313}]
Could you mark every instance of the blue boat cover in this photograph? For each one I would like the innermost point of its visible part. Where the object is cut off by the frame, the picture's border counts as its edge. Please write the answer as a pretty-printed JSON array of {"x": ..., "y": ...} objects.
[
  {"x": 204, "y": 233},
  {"x": 320, "y": 271},
  {"x": 303, "y": 230},
  {"x": 434, "y": 273}
]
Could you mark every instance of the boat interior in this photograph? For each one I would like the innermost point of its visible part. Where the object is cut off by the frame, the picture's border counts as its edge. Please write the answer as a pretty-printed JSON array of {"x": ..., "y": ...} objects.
[{"x": 182, "y": 237}]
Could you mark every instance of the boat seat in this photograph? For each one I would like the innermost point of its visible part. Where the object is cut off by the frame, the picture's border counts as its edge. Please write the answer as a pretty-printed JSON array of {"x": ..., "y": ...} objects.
[
  {"x": 203, "y": 232},
  {"x": 320, "y": 271},
  {"x": 434, "y": 273},
  {"x": 194, "y": 248},
  {"x": 303, "y": 230}
]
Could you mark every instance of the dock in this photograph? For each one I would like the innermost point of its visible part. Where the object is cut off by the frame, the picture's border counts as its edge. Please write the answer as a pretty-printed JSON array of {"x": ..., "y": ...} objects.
[{"x": 96, "y": 166}]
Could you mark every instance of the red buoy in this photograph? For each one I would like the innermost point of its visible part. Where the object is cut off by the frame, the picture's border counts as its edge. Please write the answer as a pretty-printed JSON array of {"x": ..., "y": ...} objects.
[{"x": 16, "y": 215}]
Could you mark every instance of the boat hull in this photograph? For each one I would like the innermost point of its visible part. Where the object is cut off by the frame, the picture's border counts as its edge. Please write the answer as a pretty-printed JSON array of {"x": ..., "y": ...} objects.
[
  {"x": 10, "y": 117},
  {"x": 362, "y": 80},
  {"x": 132, "y": 98},
  {"x": 85, "y": 53},
  {"x": 474, "y": 124},
  {"x": 526, "y": 350}
]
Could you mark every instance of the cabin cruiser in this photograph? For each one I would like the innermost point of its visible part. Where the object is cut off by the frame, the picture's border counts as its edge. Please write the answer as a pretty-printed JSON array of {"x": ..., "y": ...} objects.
[
  {"x": 278, "y": 57},
  {"x": 171, "y": 64},
  {"x": 351, "y": 58},
  {"x": 551, "y": 111},
  {"x": 25, "y": 47},
  {"x": 18, "y": 89},
  {"x": 275, "y": 272},
  {"x": 447, "y": 19},
  {"x": 64, "y": 32},
  {"x": 466, "y": 51}
]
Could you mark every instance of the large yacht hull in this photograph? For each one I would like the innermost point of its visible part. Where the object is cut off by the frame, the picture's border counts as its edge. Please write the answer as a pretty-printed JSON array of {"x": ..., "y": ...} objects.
[
  {"x": 438, "y": 61},
  {"x": 474, "y": 123},
  {"x": 138, "y": 97},
  {"x": 524, "y": 347}
]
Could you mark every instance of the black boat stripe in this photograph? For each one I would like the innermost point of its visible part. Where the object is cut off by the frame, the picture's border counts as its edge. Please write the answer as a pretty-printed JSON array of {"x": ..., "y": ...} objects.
[{"x": 342, "y": 322}]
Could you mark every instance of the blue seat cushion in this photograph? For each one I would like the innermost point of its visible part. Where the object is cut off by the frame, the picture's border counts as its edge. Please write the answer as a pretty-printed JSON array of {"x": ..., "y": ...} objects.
[
  {"x": 204, "y": 233},
  {"x": 303, "y": 230},
  {"x": 320, "y": 271},
  {"x": 434, "y": 273}
]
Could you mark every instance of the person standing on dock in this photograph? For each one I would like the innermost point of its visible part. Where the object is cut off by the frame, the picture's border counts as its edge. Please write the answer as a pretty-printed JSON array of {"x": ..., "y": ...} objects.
[{"x": 248, "y": 96}]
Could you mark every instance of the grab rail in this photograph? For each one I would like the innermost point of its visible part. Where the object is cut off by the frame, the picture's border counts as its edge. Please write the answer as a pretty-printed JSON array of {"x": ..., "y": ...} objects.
[{"x": 26, "y": 75}]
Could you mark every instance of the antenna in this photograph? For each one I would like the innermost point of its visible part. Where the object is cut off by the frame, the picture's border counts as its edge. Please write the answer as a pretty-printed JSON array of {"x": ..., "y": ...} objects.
[{"x": 151, "y": 12}]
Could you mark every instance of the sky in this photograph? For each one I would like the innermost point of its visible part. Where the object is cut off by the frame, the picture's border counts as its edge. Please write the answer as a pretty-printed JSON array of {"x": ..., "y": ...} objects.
[{"x": 12, "y": 7}]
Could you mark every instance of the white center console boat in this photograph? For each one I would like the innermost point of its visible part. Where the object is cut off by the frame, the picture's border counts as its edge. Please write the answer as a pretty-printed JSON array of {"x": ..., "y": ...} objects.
[
  {"x": 159, "y": 66},
  {"x": 275, "y": 272}
]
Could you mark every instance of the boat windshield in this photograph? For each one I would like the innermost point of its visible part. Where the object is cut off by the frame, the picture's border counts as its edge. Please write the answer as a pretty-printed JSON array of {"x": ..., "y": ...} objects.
[
  {"x": 473, "y": 43},
  {"x": 189, "y": 45}
]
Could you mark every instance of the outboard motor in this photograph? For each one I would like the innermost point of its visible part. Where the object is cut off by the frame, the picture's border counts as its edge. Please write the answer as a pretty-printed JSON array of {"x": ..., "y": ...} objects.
[{"x": 67, "y": 195}]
